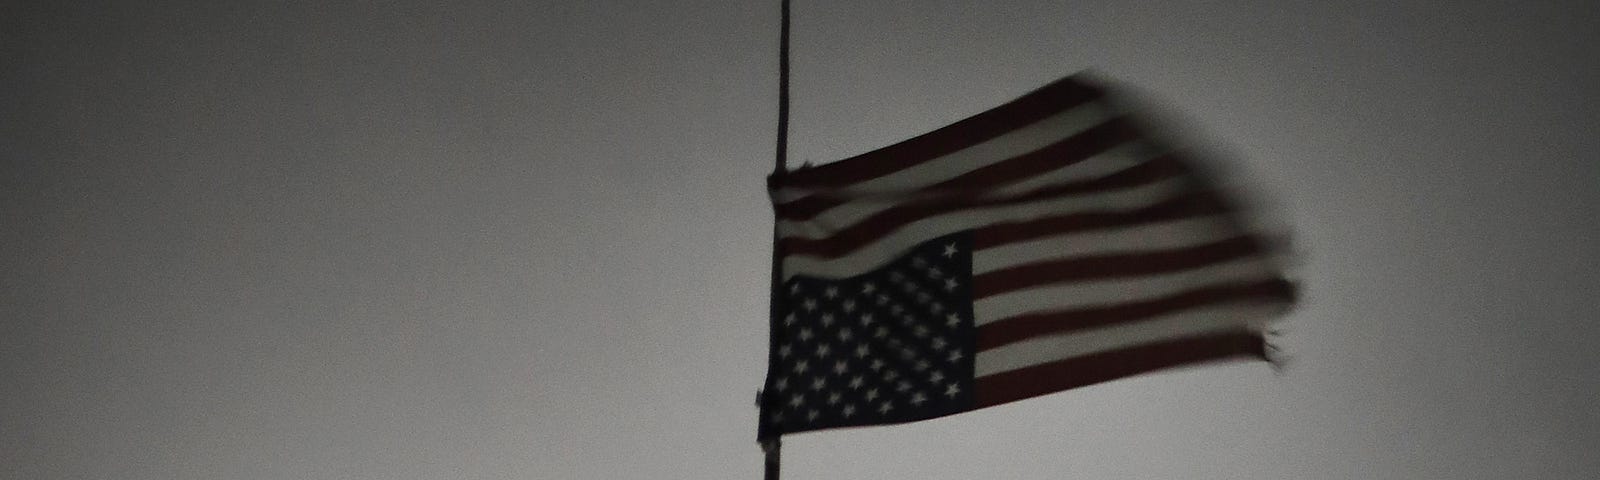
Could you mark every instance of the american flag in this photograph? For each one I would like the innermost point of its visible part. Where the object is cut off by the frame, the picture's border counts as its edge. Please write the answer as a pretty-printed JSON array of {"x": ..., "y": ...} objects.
[{"x": 1043, "y": 245}]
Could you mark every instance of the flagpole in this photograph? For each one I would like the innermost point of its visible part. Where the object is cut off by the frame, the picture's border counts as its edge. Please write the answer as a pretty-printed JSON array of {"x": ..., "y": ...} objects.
[
  {"x": 783, "y": 94},
  {"x": 772, "y": 448}
]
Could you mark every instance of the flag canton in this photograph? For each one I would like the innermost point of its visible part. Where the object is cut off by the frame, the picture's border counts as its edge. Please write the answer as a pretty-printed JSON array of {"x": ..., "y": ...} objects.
[{"x": 891, "y": 345}]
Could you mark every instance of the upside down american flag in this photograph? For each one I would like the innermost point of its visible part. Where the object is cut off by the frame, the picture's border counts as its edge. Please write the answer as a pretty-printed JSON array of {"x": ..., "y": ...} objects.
[{"x": 1043, "y": 245}]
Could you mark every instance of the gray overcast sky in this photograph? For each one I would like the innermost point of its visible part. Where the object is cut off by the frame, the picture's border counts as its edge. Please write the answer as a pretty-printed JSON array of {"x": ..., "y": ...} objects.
[{"x": 513, "y": 239}]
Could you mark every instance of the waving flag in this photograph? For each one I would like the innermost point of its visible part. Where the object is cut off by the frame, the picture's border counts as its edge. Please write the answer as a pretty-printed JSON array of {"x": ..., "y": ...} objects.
[{"x": 1043, "y": 245}]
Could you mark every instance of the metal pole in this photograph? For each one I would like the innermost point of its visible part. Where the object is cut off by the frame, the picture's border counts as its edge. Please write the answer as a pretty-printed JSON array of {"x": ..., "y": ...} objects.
[
  {"x": 783, "y": 94},
  {"x": 773, "y": 447}
]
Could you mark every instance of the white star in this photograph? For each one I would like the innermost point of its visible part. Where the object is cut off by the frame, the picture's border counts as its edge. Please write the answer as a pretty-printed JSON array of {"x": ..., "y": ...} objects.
[
  {"x": 882, "y": 299},
  {"x": 952, "y": 320},
  {"x": 936, "y": 377},
  {"x": 917, "y": 398},
  {"x": 938, "y": 343},
  {"x": 782, "y": 384},
  {"x": 885, "y": 408},
  {"x": 849, "y": 410},
  {"x": 801, "y": 366},
  {"x": 844, "y": 334},
  {"x": 796, "y": 401},
  {"x": 794, "y": 287},
  {"x": 936, "y": 307},
  {"x": 855, "y": 382},
  {"x": 919, "y": 262},
  {"x": 777, "y": 417},
  {"x": 921, "y": 331},
  {"x": 839, "y": 367},
  {"x": 950, "y": 284},
  {"x": 824, "y": 350},
  {"x": 809, "y": 304},
  {"x": 877, "y": 364},
  {"x": 811, "y": 415},
  {"x": 896, "y": 309},
  {"x": 866, "y": 319},
  {"x": 952, "y": 390},
  {"x": 935, "y": 272},
  {"x": 833, "y": 398},
  {"x": 896, "y": 276},
  {"x": 785, "y": 350},
  {"x": 902, "y": 386},
  {"x": 827, "y": 319},
  {"x": 805, "y": 334},
  {"x": 955, "y": 355},
  {"x": 849, "y": 306},
  {"x": 872, "y": 394},
  {"x": 891, "y": 375},
  {"x": 922, "y": 364},
  {"x": 949, "y": 250},
  {"x": 789, "y": 319},
  {"x": 880, "y": 332},
  {"x": 862, "y": 351},
  {"x": 831, "y": 293},
  {"x": 868, "y": 288},
  {"x": 817, "y": 383}
]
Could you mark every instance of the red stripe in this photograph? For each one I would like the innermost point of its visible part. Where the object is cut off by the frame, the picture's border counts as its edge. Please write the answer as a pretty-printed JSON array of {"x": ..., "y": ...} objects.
[
  {"x": 1193, "y": 204},
  {"x": 1101, "y": 367},
  {"x": 1074, "y": 149},
  {"x": 1057, "y": 97},
  {"x": 882, "y": 223},
  {"x": 1112, "y": 266},
  {"x": 1022, "y": 327},
  {"x": 1071, "y": 150}
]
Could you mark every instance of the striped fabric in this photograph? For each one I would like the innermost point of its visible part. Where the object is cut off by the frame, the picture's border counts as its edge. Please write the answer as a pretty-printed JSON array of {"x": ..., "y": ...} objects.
[{"x": 1093, "y": 251}]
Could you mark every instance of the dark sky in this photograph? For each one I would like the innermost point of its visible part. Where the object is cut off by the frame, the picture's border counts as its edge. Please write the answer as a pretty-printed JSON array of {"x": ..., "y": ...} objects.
[{"x": 514, "y": 239}]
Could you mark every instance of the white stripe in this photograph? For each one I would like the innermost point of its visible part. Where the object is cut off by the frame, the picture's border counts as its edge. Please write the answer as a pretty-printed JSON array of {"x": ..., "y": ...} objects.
[
  {"x": 1016, "y": 142},
  {"x": 857, "y": 209},
  {"x": 895, "y": 243},
  {"x": 1113, "y": 160},
  {"x": 863, "y": 260},
  {"x": 1166, "y": 235},
  {"x": 1188, "y": 323},
  {"x": 822, "y": 228},
  {"x": 1081, "y": 294},
  {"x": 1139, "y": 238}
]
